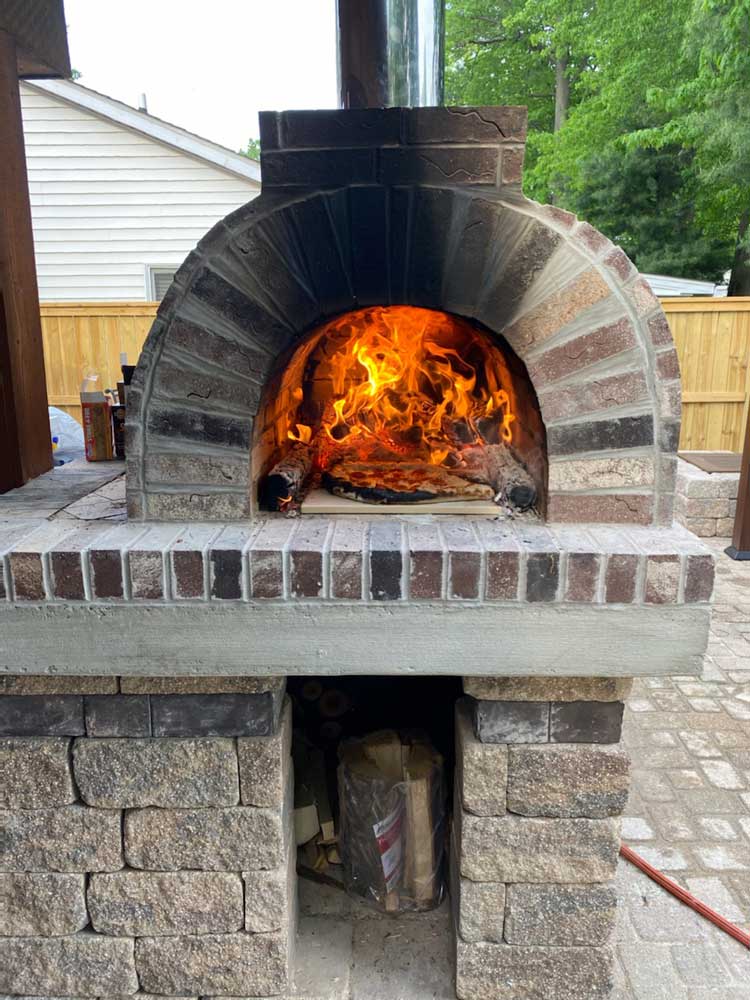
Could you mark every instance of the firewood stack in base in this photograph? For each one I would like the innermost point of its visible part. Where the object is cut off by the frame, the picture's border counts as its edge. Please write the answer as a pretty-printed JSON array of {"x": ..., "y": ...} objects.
[{"x": 393, "y": 821}]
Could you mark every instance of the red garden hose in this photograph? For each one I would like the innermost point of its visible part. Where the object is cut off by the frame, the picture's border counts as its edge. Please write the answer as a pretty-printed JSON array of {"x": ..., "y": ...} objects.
[{"x": 684, "y": 896}]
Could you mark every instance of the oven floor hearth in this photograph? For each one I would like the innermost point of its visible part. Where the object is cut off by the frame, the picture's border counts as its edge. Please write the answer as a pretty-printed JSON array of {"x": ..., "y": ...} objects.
[
  {"x": 320, "y": 501},
  {"x": 346, "y": 951}
]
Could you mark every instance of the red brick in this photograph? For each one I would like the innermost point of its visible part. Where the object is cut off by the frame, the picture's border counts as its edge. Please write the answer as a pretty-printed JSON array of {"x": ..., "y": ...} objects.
[
  {"x": 512, "y": 164},
  {"x": 583, "y": 576},
  {"x": 28, "y": 576},
  {"x": 591, "y": 238},
  {"x": 306, "y": 558},
  {"x": 601, "y": 508},
  {"x": 619, "y": 264},
  {"x": 67, "y": 575},
  {"x": 187, "y": 566},
  {"x": 589, "y": 397},
  {"x": 502, "y": 576},
  {"x": 619, "y": 579},
  {"x": 642, "y": 297},
  {"x": 106, "y": 573},
  {"x": 662, "y": 579},
  {"x": 699, "y": 579},
  {"x": 560, "y": 216},
  {"x": 668, "y": 364},
  {"x": 660, "y": 331},
  {"x": 562, "y": 361}
]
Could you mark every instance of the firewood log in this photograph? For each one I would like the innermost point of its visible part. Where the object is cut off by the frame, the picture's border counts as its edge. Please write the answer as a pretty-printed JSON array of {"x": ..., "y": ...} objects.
[
  {"x": 287, "y": 478},
  {"x": 497, "y": 465}
]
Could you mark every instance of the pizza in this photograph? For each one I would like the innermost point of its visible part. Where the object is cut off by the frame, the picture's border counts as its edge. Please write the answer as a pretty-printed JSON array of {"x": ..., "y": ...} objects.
[{"x": 400, "y": 482}]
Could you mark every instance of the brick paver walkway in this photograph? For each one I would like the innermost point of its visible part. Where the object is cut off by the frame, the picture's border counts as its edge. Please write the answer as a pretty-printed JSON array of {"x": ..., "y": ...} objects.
[{"x": 689, "y": 814}]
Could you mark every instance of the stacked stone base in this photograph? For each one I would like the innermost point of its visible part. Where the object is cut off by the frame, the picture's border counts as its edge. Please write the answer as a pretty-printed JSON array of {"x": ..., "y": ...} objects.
[
  {"x": 132, "y": 862},
  {"x": 540, "y": 781}
]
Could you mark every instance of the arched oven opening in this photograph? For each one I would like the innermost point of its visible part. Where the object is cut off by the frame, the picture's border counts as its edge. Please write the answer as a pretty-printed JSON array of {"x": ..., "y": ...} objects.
[{"x": 398, "y": 405}]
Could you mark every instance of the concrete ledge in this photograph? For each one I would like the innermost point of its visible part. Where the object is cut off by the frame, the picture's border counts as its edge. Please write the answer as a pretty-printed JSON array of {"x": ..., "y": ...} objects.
[{"x": 272, "y": 638}]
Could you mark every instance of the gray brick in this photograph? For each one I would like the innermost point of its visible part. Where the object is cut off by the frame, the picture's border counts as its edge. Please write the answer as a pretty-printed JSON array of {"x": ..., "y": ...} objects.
[
  {"x": 586, "y": 722},
  {"x": 511, "y": 721},
  {"x": 216, "y": 714},
  {"x": 41, "y": 715},
  {"x": 117, "y": 715}
]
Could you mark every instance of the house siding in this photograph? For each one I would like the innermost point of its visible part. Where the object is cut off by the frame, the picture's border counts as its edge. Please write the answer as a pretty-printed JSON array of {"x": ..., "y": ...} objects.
[{"x": 106, "y": 202}]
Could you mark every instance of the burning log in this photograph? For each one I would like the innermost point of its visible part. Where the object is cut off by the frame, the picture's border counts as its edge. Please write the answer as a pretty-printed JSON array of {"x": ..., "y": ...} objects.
[
  {"x": 497, "y": 465},
  {"x": 286, "y": 481}
]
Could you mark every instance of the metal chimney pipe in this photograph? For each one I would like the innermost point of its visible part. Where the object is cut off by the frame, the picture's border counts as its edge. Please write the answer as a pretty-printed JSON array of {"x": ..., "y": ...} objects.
[{"x": 390, "y": 53}]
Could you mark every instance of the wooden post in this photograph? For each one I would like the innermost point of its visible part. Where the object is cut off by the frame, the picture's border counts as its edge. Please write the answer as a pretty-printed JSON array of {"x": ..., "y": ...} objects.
[
  {"x": 740, "y": 547},
  {"x": 25, "y": 446}
]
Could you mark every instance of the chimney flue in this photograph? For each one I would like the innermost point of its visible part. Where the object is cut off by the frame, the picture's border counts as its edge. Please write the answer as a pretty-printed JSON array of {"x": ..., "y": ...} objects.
[{"x": 390, "y": 53}]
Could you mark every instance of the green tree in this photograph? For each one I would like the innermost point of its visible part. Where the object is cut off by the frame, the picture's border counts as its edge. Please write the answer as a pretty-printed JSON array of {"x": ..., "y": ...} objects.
[
  {"x": 252, "y": 150},
  {"x": 601, "y": 81}
]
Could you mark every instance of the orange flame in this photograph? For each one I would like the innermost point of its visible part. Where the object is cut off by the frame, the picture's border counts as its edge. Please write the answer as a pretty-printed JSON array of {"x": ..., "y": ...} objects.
[{"x": 408, "y": 380}]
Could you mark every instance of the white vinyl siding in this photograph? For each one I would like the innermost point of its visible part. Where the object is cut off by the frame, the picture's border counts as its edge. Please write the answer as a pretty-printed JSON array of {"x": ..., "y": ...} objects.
[{"x": 107, "y": 202}]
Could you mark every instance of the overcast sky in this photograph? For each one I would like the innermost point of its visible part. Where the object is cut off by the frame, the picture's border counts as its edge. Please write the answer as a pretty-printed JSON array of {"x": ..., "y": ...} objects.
[{"x": 207, "y": 65}]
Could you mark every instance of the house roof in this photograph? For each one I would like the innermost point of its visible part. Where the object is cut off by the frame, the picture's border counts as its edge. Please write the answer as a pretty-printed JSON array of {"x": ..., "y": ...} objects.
[{"x": 146, "y": 124}]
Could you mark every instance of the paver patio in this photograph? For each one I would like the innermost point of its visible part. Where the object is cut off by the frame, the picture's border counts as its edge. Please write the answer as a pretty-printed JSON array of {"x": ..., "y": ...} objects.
[{"x": 689, "y": 814}]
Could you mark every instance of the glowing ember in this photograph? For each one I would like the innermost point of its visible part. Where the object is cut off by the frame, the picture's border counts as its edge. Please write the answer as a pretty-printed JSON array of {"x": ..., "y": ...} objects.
[{"x": 406, "y": 383}]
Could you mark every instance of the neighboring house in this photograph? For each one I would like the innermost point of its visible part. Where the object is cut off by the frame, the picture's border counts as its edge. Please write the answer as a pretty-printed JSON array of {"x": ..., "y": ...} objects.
[
  {"x": 664, "y": 285},
  {"x": 118, "y": 197}
]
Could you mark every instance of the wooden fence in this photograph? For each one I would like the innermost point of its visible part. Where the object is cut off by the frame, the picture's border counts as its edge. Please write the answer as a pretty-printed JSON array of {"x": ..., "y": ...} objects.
[
  {"x": 712, "y": 338},
  {"x": 81, "y": 336}
]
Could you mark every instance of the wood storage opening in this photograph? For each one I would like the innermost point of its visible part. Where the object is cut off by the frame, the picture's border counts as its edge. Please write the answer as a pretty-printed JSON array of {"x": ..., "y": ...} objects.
[{"x": 393, "y": 821}]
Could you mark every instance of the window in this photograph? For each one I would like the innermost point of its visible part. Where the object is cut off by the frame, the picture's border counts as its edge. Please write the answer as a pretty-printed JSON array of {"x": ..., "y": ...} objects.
[{"x": 158, "y": 280}]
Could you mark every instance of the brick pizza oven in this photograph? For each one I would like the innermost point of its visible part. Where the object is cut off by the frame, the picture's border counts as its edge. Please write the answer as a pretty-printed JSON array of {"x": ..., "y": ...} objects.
[{"x": 143, "y": 721}]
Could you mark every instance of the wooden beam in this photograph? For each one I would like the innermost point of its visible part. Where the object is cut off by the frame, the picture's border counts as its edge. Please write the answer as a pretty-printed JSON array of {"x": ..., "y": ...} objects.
[{"x": 25, "y": 447}]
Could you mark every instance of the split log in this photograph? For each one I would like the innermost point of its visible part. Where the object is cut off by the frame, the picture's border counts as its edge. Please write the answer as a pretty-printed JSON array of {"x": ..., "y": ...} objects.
[
  {"x": 287, "y": 479},
  {"x": 498, "y": 465}
]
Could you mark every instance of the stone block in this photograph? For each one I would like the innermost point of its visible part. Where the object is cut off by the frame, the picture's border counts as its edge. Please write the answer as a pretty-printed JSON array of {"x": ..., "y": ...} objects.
[
  {"x": 516, "y": 849},
  {"x": 238, "y": 965},
  {"x": 567, "y": 781},
  {"x": 41, "y": 905},
  {"x": 41, "y": 715},
  {"x": 60, "y": 684},
  {"x": 548, "y": 688},
  {"x": 511, "y": 721},
  {"x": 126, "y": 774},
  {"x": 202, "y": 685},
  {"x": 481, "y": 910},
  {"x": 216, "y": 714},
  {"x": 120, "y": 715},
  {"x": 70, "y": 839},
  {"x": 586, "y": 722},
  {"x": 86, "y": 965},
  {"x": 482, "y": 768},
  {"x": 508, "y": 972},
  {"x": 271, "y": 896},
  {"x": 35, "y": 773},
  {"x": 265, "y": 763},
  {"x": 578, "y": 915},
  {"x": 152, "y": 904},
  {"x": 239, "y": 839}
]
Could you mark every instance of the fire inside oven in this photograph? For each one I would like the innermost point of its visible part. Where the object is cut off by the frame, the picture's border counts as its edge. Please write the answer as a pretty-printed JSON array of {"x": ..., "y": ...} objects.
[{"x": 397, "y": 404}]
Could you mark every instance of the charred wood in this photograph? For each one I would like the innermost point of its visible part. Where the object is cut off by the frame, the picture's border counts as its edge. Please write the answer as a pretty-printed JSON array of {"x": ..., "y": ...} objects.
[{"x": 287, "y": 479}]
